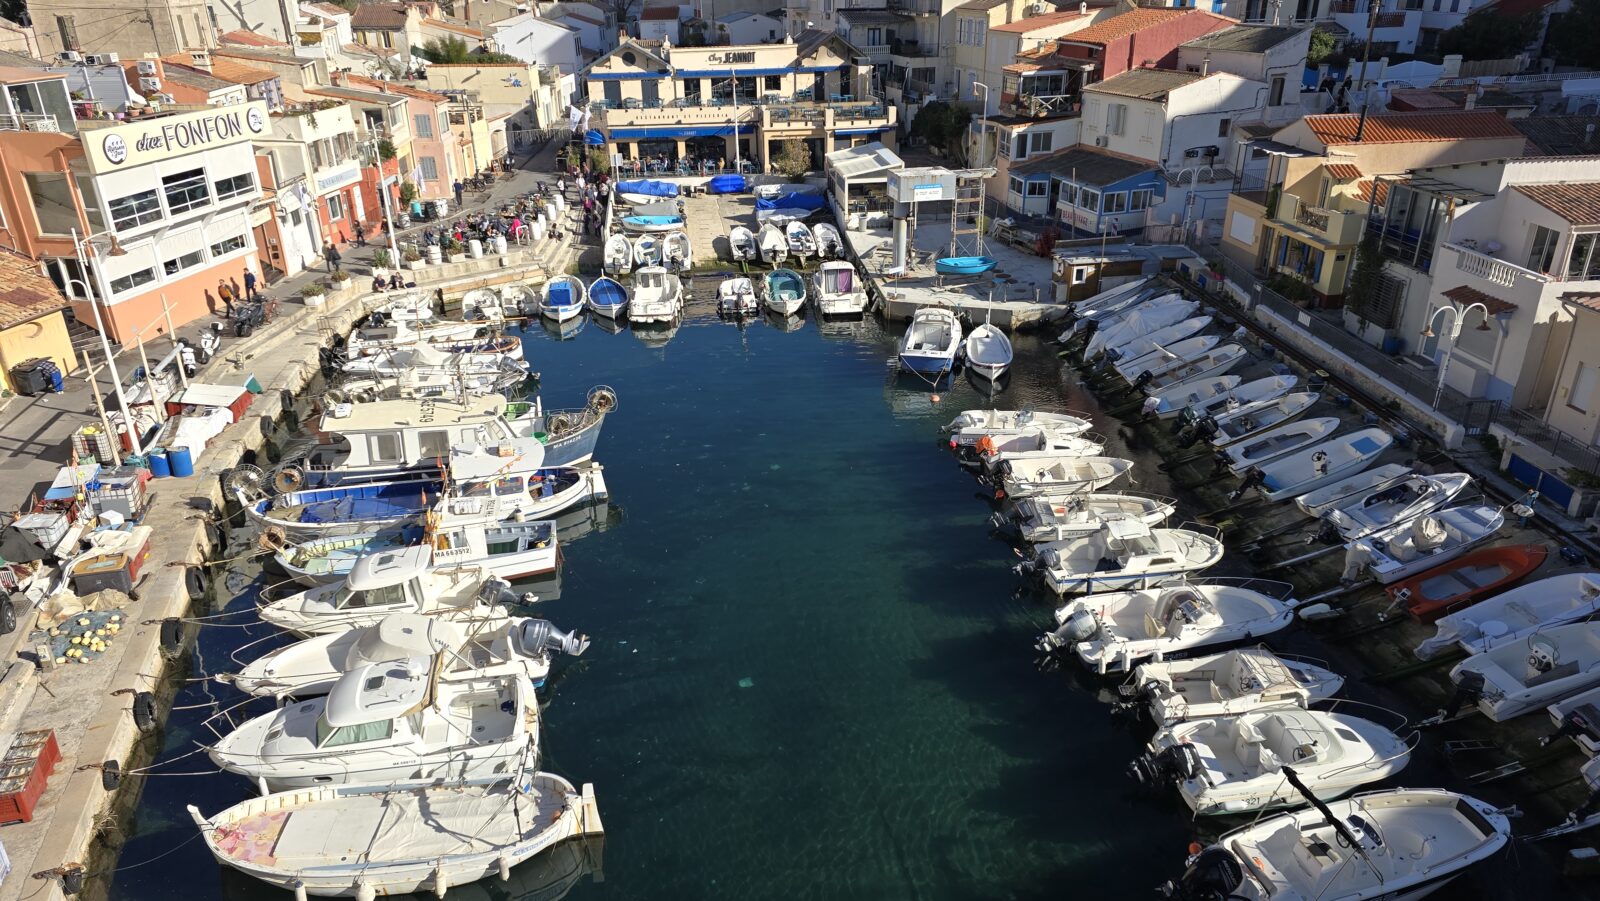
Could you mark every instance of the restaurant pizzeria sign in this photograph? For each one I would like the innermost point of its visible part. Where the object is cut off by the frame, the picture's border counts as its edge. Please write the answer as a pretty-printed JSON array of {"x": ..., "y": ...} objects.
[{"x": 149, "y": 140}]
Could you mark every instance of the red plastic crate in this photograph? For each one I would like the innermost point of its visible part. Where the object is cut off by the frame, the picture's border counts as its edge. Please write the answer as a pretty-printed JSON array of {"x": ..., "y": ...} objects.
[{"x": 24, "y": 773}]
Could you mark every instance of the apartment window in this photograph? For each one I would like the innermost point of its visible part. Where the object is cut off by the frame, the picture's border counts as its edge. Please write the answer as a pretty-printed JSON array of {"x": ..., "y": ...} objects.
[
  {"x": 232, "y": 187},
  {"x": 1068, "y": 195},
  {"x": 874, "y": 37},
  {"x": 132, "y": 280},
  {"x": 1139, "y": 200},
  {"x": 335, "y": 208},
  {"x": 89, "y": 199},
  {"x": 1436, "y": 5},
  {"x": 1116, "y": 203},
  {"x": 424, "y": 125},
  {"x": 1038, "y": 189},
  {"x": 1223, "y": 127},
  {"x": 430, "y": 168},
  {"x": 1543, "y": 251},
  {"x": 1275, "y": 95},
  {"x": 222, "y": 248},
  {"x": 187, "y": 261},
  {"x": 1455, "y": 6},
  {"x": 186, "y": 190},
  {"x": 1004, "y": 142},
  {"x": 1116, "y": 118},
  {"x": 774, "y": 82},
  {"x": 1089, "y": 199},
  {"x": 1041, "y": 141},
  {"x": 1016, "y": 185},
  {"x": 1584, "y": 261},
  {"x": 52, "y": 202},
  {"x": 374, "y": 121},
  {"x": 1580, "y": 395}
]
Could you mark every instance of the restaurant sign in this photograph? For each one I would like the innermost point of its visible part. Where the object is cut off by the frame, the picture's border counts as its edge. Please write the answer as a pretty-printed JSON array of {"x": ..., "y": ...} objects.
[{"x": 157, "y": 138}]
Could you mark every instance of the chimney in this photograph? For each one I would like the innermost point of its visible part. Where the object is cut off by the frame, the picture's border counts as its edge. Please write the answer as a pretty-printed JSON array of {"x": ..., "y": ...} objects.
[
  {"x": 1205, "y": 66},
  {"x": 1083, "y": 8},
  {"x": 200, "y": 59}
]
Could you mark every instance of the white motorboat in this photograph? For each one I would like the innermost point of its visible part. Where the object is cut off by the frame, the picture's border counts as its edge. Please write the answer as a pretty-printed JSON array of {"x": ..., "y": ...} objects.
[
  {"x": 400, "y": 581},
  {"x": 1516, "y": 613},
  {"x": 774, "y": 246},
  {"x": 416, "y": 307},
  {"x": 391, "y": 334},
  {"x": 392, "y": 721},
  {"x": 840, "y": 291},
  {"x": 737, "y": 297},
  {"x": 416, "y": 384},
  {"x": 829, "y": 243},
  {"x": 1328, "y": 497},
  {"x": 1274, "y": 443},
  {"x": 426, "y": 363},
  {"x": 508, "y": 550},
  {"x": 607, "y": 297},
  {"x": 784, "y": 291},
  {"x": 1373, "y": 511},
  {"x": 988, "y": 351},
  {"x": 930, "y": 343},
  {"x": 1411, "y": 546},
  {"x": 1252, "y": 418},
  {"x": 1163, "y": 357},
  {"x": 1230, "y": 683},
  {"x": 1190, "y": 395},
  {"x": 1301, "y": 471},
  {"x": 1577, "y": 717},
  {"x": 1113, "y": 632},
  {"x": 1516, "y": 677},
  {"x": 657, "y": 296},
  {"x": 1037, "y": 448},
  {"x": 1052, "y": 518},
  {"x": 1399, "y": 845},
  {"x": 648, "y": 250},
  {"x": 517, "y": 300},
  {"x": 493, "y": 644},
  {"x": 1259, "y": 390},
  {"x": 971, "y": 426},
  {"x": 802, "y": 243},
  {"x": 742, "y": 245},
  {"x": 361, "y": 841},
  {"x": 1234, "y": 764},
  {"x": 1123, "y": 555},
  {"x": 1140, "y": 352},
  {"x": 1103, "y": 307},
  {"x": 677, "y": 253},
  {"x": 1139, "y": 321},
  {"x": 1213, "y": 362},
  {"x": 1067, "y": 476},
  {"x": 618, "y": 255},
  {"x": 564, "y": 298}
]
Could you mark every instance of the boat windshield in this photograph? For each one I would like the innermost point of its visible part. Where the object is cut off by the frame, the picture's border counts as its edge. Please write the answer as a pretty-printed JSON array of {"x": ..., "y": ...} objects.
[
  {"x": 837, "y": 281},
  {"x": 332, "y": 737},
  {"x": 387, "y": 596},
  {"x": 649, "y": 279}
]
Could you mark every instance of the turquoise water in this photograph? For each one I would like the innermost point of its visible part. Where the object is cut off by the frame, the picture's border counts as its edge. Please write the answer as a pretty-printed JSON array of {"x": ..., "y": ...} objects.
[{"x": 811, "y": 676}]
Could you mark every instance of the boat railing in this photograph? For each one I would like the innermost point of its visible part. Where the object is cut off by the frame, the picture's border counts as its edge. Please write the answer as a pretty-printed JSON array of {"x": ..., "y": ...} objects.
[
  {"x": 1387, "y": 718},
  {"x": 1281, "y": 591}
]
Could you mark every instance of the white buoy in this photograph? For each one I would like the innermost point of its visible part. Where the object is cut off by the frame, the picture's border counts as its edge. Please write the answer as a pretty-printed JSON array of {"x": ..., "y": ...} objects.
[
  {"x": 299, "y": 890},
  {"x": 365, "y": 891},
  {"x": 441, "y": 883},
  {"x": 505, "y": 868}
]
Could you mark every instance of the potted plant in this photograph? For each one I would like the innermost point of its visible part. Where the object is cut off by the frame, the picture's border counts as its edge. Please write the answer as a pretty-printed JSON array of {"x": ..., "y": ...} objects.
[
  {"x": 413, "y": 260},
  {"x": 381, "y": 264},
  {"x": 312, "y": 294},
  {"x": 338, "y": 279},
  {"x": 453, "y": 251}
]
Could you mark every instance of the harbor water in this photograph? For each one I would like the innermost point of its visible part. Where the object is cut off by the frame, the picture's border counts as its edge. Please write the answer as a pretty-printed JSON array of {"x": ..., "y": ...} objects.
[{"x": 813, "y": 676}]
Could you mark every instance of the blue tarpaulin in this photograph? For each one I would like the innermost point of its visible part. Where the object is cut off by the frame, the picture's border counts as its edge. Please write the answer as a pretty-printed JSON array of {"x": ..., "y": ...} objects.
[
  {"x": 727, "y": 184},
  {"x": 594, "y": 138},
  {"x": 791, "y": 201},
  {"x": 648, "y": 188}
]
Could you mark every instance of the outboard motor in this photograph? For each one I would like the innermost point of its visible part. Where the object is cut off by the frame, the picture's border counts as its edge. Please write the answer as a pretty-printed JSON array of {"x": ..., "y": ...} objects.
[
  {"x": 1005, "y": 525},
  {"x": 1174, "y": 764},
  {"x": 1202, "y": 429},
  {"x": 376, "y": 319},
  {"x": 498, "y": 591},
  {"x": 1080, "y": 626},
  {"x": 1468, "y": 691},
  {"x": 1212, "y": 875},
  {"x": 1328, "y": 531},
  {"x": 540, "y": 635},
  {"x": 1574, "y": 723},
  {"x": 1142, "y": 379},
  {"x": 1252, "y": 477}
]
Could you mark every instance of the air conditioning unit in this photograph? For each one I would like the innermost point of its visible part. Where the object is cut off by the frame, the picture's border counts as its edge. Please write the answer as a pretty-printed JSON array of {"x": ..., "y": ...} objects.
[
  {"x": 1102, "y": 141},
  {"x": 166, "y": 99},
  {"x": 70, "y": 56},
  {"x": 149, "y": 84},
  {"x": 147, "y": 67},
  {"x": 102, "y": 59}
]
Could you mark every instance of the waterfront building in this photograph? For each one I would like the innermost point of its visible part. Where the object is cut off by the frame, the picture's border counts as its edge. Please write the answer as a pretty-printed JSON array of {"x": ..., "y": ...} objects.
[
  {"x": 157, "y": 81},
  {"x": 161, "y": 201},
  {"x": 652, "y": 101},
  {"x": 534, "y": 39},
  {"x": 314, "y": 150},
  {"x": 1274, "y": 55},
  {"x": 512, "y": 100},
  {"x": 383, "y": 128},
  {"x": 990, "y": 33},
  {"x": 101, "y": 28},
  {"x": 258, "y": 83},
  {"x": 433, "y": 167},
  {"x": 1307, "y": 187},
  {"x": 743, "y": 26},
  {"x": 1090, "y": 192},
  {"x": 391, "y": 26}
]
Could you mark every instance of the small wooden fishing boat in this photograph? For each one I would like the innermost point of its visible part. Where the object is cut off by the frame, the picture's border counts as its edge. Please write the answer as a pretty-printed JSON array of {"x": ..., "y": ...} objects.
[
  {"x": 648, "y": 250},
  {"x": 785, "y": 291},
  {"x": 676, "y": 251},
  {"x": 964, "y": 265},
  {"x": 829, "y": 243},
  {"x": 988, "y": 351},
  {"x": 802, "y": 243},
  {"x": 742, "y": 244},
  {"x": 619, "y": 255},
  {"x": 774, "y": 246},
  {"x": 1464, "y": 581},
  {"x": 607, "y": 297},
  {"x": 564, "y": 297},
  {"x": 652, "y": 223}
]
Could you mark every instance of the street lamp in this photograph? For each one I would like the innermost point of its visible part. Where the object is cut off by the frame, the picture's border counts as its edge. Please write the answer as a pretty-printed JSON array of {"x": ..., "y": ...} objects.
[
  {"x": 1456, "y": 317},
  {"x": 983, "y": 120},
  {"x": 383, "y": 199},
  {"x": 78, "y": 246}
]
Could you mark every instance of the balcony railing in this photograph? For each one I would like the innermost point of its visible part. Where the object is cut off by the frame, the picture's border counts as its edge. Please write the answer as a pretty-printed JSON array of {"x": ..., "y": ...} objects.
[
  {"x": 1494, "y": 271},
  {"x": 28, "y": 122},
  {"x": 1312, "y": 217}
]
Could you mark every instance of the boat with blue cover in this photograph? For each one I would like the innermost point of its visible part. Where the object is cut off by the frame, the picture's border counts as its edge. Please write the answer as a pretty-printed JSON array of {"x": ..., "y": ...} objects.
[
  {"x": 564, "y": 298},
  {"x": 727, "y": 184},
  {"x": 652, "y": 223},
  {"x": 607, "y": 297},
  {"x": 646, "y": 190},
  {"x": 964, "y": 265}
]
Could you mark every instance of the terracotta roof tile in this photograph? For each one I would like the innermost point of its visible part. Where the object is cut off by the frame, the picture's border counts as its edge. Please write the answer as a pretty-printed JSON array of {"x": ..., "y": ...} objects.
[
  {"x": 1404, "y": 128},
  {"x": 24, "y": 293},
  {"x": 239, "y": 73},
  {"x": 1134, "y": 21},
  {"x": 1589, "y": 300},
  {"x": 327, "y": 9},
  {"x": 1560, "y": 135},
  {"x": 1364, "y": 190},
  {"x": 1033, "y": 23},
  {"x": 467, "y": 30},
  {"x": 1343, "y": 171},
  {"x": 1466, "y": 296},
  {"x": 1576, "y": 202},
  {"x": 403, "y": 90},
  {"x": 379, "y": 15}
]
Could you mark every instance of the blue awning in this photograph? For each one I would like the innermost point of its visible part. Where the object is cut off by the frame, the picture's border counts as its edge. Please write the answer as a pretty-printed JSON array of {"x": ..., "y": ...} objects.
[
  {"x": 593, "y": 138},
  {"x": 674, "y": 131},
  {"x": 863, "y": 131},
  {"x": 626, "y": 76},
  {"x": 728, "y": 73}
]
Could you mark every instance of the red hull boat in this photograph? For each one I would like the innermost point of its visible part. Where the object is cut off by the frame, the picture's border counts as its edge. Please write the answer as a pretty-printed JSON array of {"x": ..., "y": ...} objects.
[{"x": 1466, "y": 580}]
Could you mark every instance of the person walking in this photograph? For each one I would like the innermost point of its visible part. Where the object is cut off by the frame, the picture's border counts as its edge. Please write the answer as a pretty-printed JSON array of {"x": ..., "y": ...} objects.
[
  {"x": 225, "y": 294},
  {"x": 331, "y": 254},
  {"x": 460, "y": 190},
  {"x": 250, "y": 292},
  {"x": 361, "y": 234}
]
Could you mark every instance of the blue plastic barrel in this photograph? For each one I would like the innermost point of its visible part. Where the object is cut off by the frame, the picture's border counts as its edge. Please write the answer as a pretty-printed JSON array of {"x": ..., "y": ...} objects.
[
  {"x": 159, "y": 467},
  {"x": 181, "y": 462}
]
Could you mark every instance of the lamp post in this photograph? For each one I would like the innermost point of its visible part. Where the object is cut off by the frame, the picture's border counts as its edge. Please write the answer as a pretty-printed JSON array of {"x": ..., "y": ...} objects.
[
  {"x": 94, "y": 295},
  {"x": 1456, "y": 318},
  {"x": 983, "y": 122},
  {"x": 383, "y": 200}
]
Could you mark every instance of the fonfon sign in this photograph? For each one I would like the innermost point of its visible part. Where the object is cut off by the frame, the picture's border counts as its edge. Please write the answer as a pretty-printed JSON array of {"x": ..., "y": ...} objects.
[{"x": 153, "y": 139}]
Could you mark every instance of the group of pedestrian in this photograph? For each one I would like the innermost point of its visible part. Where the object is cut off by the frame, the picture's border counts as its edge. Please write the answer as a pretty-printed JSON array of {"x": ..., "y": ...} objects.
[{"x": 228, "y": 291}]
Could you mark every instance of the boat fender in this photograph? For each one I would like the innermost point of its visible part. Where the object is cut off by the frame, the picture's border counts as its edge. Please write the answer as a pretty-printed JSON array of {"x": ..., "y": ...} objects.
[
  {"x": 110, "y": 775},
  {"x": 171, "y": 636},
  {"x": 72, "y": 877},
  {"x": 441, "y": 882},
  {"x": 195, "y": 582},
  {"x": 299, "y": 890},
  {"x": 1314, "y": 612},
  {"x": 8, "y": 614},
  {"x": 144, "y": 711},
  {"x": 505, "y": 868},
  {"x": 365, "y": 891}
]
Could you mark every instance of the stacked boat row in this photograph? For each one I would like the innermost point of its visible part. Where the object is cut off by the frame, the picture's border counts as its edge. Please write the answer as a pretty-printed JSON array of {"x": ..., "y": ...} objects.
[{"x": 404, "y": 754}]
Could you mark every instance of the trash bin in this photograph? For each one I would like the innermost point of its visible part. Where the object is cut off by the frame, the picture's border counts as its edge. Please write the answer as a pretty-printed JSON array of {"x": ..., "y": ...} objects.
[
  {"x": 475, "y": 249},
  {"x": 181, "y": 462},
  {"x": 160, "y": 467},
  {"x": 29, "y": 378},
  {"x": 500, "y": 244}
]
